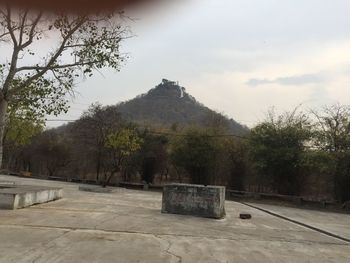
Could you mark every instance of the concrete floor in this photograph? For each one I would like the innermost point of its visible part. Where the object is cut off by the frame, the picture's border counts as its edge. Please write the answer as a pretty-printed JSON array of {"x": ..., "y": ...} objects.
[
  {"x": 127, "y": 226},
  {"x": 336, "y": 223}
]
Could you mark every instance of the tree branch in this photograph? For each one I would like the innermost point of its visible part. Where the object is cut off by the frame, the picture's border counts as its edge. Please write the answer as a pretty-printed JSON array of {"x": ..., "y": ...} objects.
[
  {"x": 32, "y": 31},
  {"x": 56, "y": 77},
  {"x": 22, "y": 27},
  {"x": 9, "y": 26},
  {"x": 54, "y": 57},
  {"x": 77, "y": 64},
  {"x": 4, "y": 34}
]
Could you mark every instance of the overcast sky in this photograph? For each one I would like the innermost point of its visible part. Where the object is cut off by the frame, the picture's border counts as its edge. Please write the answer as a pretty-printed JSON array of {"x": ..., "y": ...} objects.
[{"x": 239, "y": 57}]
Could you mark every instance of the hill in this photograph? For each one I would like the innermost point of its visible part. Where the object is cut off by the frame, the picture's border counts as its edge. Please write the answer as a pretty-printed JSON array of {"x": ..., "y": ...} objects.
[{"x": 168, "y": 104}]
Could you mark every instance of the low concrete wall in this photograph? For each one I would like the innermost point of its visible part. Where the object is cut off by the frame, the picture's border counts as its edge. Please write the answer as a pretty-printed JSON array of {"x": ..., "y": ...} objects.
[
  {"x": 197, "y": 200},
  {"x": 95, "y": 189},
  {"x": 13, "y": 197},
  {"x": 6, "y": 183}
]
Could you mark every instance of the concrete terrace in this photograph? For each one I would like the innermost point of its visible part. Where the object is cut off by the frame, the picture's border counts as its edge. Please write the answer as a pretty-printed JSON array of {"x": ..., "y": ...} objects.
[{"x": 127, "y": 226}]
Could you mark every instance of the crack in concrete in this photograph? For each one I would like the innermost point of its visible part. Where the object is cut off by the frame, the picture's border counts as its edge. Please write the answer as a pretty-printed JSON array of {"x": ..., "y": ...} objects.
[
  {"x": 177, "y": 235},
  {"x": 167, "y": 250},
  {"x": 47, "y": 247},
  {"x": 103, "y": 221}
]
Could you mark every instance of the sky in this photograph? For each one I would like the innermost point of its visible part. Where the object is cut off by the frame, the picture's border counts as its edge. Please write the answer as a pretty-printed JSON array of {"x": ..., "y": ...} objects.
[{"x": 238, "y": 57}]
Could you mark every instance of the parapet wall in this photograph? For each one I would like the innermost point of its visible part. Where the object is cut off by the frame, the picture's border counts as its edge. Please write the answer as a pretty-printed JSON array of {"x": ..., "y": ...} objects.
[
  {"x": 20, "y": 196},
  {"x": 197, "y": 200}
]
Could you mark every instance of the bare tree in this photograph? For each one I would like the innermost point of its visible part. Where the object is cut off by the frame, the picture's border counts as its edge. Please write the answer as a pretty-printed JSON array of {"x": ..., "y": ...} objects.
[
  {"x": 333, "y": 128},
  {"x": 332, "y": 134}
]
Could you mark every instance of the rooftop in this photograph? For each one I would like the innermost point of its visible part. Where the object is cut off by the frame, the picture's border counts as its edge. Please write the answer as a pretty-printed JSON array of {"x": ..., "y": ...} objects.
[{"x": 127, "y": 226}]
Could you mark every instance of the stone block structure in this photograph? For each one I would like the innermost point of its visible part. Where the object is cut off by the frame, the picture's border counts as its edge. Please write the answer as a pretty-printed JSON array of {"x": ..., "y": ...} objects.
[{"x": 197, "y": 200}]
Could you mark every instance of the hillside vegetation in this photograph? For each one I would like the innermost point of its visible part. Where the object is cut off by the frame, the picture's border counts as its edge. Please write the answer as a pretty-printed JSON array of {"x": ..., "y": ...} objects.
[{"x": 168, "y": 104}]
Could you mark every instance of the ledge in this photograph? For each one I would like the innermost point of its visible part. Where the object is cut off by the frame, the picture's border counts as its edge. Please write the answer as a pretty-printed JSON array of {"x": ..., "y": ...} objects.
[{"x": 20, "y": 196}]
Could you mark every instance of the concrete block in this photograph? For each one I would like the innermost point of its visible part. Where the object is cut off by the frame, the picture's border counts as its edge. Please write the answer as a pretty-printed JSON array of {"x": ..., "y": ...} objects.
[
  {"x": 20, "y": 196},
  {"x": 197, "y": 200}
]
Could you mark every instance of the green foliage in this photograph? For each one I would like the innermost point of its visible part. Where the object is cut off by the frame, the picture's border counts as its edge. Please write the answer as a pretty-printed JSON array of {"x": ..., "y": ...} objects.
[
  {"x": 164, "y": 106},
  {"x": 239, "y": 166},
  {"x": 121, "y": 144},
  {"x": 277, "y": 145},
  {"x": 342, "y": 176},
  {"x": 332, "y": 136},
  {"x": 51, "y": 151},
  {"x": 125, "y": 141},
  {"x": 195, "y": 151},
  {"x": 153, "y": 156},
  {"x": 42, "y": 97},
  {"x": 89, "y": 135},
  {"x": 22, "y": 125},
  {"x": 319, "y": 162}
]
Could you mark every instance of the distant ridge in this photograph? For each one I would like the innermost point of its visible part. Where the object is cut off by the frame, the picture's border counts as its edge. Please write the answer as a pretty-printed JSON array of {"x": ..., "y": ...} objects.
[{"x": 168, "y": 104}]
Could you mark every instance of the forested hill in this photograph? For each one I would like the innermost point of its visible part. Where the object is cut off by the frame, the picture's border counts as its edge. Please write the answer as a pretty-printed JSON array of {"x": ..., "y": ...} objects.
[{"x": 168, "y": 104}]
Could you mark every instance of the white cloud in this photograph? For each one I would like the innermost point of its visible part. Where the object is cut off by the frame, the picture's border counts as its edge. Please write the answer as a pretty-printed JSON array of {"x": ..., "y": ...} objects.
[
  {"x": 285, "y": 82},
  {"x": 290, "y": 80}
]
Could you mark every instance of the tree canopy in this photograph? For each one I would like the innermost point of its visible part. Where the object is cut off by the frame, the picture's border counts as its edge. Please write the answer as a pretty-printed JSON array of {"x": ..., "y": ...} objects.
[
  {"x": 277, "y": 145},
  {"x": 48, "y": 52}
]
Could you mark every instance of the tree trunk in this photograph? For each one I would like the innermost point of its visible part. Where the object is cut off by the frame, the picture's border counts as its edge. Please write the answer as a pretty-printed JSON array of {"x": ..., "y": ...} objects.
[
  {"x": 98, "y": 166},
  {"x": 110, "y": 177},
  {"x": 3, "y": 112}
]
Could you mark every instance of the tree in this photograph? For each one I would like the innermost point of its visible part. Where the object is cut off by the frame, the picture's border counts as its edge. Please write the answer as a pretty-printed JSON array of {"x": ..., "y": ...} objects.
[
  {"x": 121, "y": 143},
  {"x": 332, "y": 135},
  {"x": 83, "y": 43},
  {"x": 90, "y": 134},
  {"x": 21, "y": 126},
  {"x": 277, "y": 147},
  {"x": 195, "y": 151},
  {"x": 51, "y": 152},
  {"x": 153, "y": 156},
  {"x": 235, "y": 153},
  {"x": 332, "y": 132}
]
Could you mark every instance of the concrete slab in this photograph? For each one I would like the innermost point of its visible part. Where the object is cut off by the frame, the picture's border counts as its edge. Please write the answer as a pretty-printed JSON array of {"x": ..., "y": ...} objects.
[
  {"x": 336, "y": 223},
  {"x": 20, "y": 196},
  {"x": 128, "y": 226}
]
